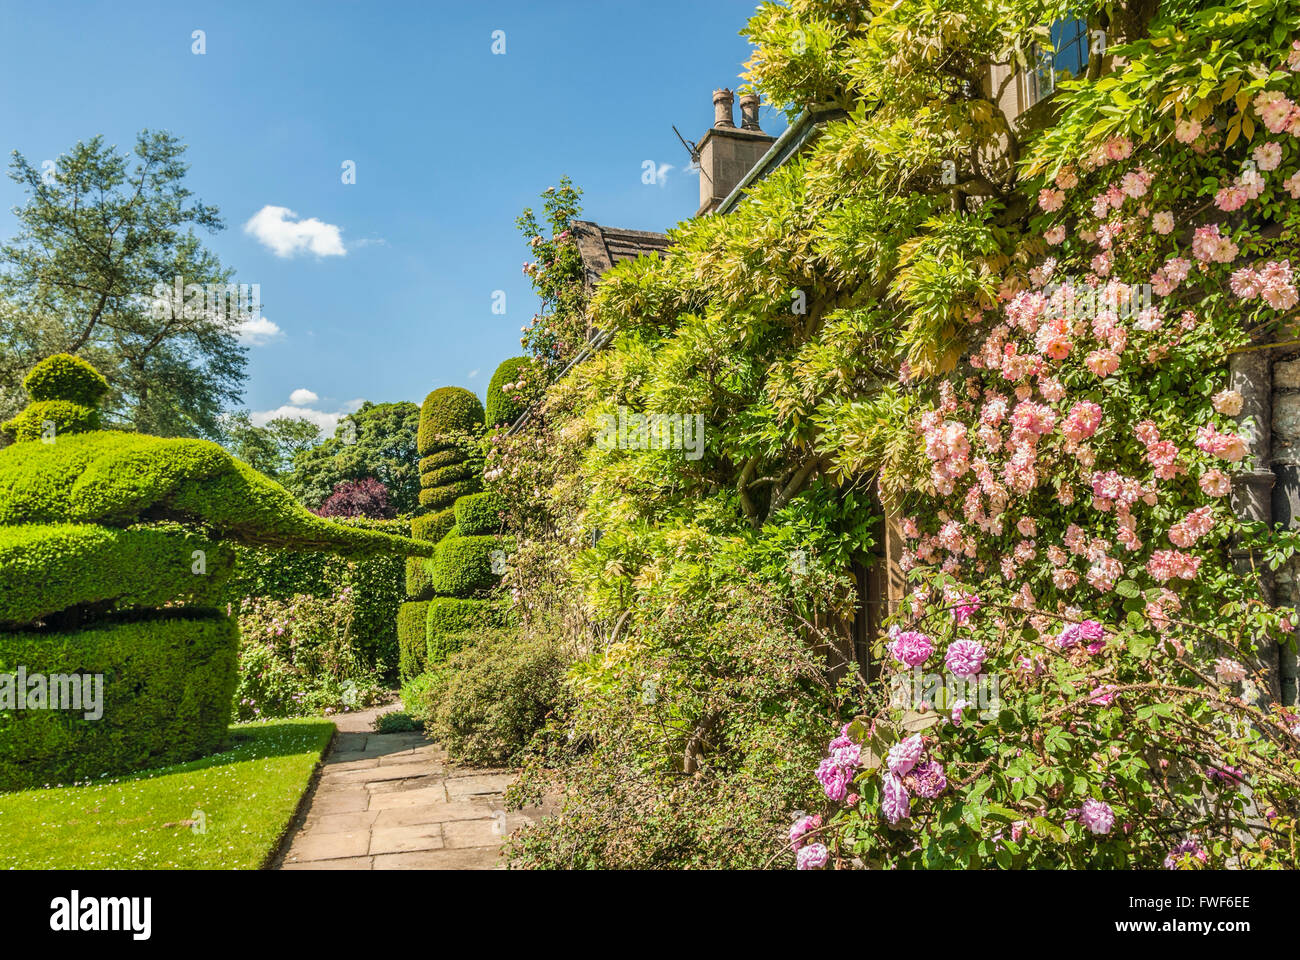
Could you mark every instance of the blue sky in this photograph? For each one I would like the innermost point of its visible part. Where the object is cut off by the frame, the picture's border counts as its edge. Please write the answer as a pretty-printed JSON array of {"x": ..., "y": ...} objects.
[{"x": 450, "y": 143}]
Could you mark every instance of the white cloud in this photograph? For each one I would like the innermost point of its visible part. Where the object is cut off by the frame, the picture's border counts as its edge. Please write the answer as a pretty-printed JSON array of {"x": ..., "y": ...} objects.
[
  {"x": 473, "y": 374},
  {"x": 298, "y": 409},
  {"x": 278, "y": 229},
  {"x": 257, "y": 331}
]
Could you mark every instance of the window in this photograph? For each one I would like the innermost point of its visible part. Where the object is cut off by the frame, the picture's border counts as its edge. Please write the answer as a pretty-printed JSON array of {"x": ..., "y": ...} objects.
[{"x": 1070, "y": 57}]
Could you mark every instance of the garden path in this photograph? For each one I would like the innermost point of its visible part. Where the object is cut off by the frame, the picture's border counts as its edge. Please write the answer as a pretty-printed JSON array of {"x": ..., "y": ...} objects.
[{"x": 393, "y": 802}]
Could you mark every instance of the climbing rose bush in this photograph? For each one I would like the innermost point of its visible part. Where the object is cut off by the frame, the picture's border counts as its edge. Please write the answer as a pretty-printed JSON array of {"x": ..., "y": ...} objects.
[{"x": 1096, "y": 698}]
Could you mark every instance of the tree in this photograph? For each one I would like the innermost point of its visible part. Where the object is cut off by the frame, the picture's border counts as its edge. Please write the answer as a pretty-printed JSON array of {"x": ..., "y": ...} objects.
[
  {"x": 379, "y": 441},
  {"x": 358, "y": 498},
  {"x": 100, "y": 239},
  {"x": 270, "y": 449}
]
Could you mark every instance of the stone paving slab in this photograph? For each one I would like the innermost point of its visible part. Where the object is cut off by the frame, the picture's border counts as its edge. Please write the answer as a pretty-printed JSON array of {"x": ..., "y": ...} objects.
[{"x": 393, "y": 802}]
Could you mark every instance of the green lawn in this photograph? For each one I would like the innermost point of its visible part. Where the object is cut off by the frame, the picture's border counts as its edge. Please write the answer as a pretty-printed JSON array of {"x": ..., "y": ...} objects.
[{"x": 246, "y": 794}]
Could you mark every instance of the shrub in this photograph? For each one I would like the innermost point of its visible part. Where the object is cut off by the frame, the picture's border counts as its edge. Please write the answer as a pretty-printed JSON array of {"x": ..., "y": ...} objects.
[
  {"x": 505, "y": 406},
  {"x": 412, "y": 642},
  {"x": 395, "y": 721},
  {"x": 432, "y": 526},
  {"x": 418, "y": 585},
  {"x": 442, "y": 476},
  {"x": 449, "y": 619},
  {"x": 440, "y": 498},
  {"x": 494, "y": 695},
  {"x": 49, "y": 568},
  {"x": 358, "y": 498},
  {"x": 479, "y": 513},
  {"x": 448, "y": 410},
  {"x": 463, "y": 566},
  {"x": 65, "y": 377},
  {"x": 443, "y": 457},
  {"x": 166, "y": 697},
  {"x": 299, "y": 657},
  {"x": 417, "y": 694},
  {"x": 47, "y": 419},
  {"x": 377, "y": 583}
]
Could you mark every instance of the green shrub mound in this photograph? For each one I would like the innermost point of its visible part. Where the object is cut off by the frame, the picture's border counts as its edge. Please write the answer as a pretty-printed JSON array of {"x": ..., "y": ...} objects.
[
  {"x": 463, "y": 566},
  {"x": 479, "y": 513},
  {"x": 447, "y": 410},
  {"x": 50, "y": 419},
  {"x": 412, "y": 638},
  {"x": 167, "y": 686},
  {"x": 493, "y": 695},
  {"x": 442, "y": 498},
  {"x": 417, "y": 693},
  {"x": 450, "y": 619},
  {"x": 65, "y": 377},
  {"x": 504, "y": 408},
  {"x": 433, "y": 526},
  {"x": 47, "y": 569},
  {"x": 418, "y": 584}
]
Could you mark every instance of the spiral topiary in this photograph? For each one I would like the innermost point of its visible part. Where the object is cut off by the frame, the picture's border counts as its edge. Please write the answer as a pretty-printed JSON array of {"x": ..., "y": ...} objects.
[
  {"x": 65, "y": 392},
  {"x": 447, "y": 411}
]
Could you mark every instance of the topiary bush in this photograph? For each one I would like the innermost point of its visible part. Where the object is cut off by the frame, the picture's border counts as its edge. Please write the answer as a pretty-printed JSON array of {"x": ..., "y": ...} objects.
[
  {"x": 449, "y": 619},
  {"x": 447, "y": 410},
  {"x": 442, "y": 498},
  {"x": 418, "y": 585},
  {"x": 412, "y": 639},
  {"x": 479, "y": 513},
  {"x": 462, "y": 566},
  {"x": 167, "y": 685},
  {"x": 508, "y": 391},
  {"x": 145, "y": 515},
  {"x": 433, "y": 526}
]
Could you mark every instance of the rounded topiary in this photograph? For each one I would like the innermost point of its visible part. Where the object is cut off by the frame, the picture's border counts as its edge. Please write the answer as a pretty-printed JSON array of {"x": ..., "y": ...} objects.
[
  {"x": 504, "y": 407},
  {"x": 479, "y": 513},
  {"x": 463, "y": 565},
  {"x": 48, "y": 419},
  {"x": 65, "y": 377},
  {"x": 433, "y": 526},
  {"x": 447, "y": 410},
  {"x": 439, "y": 498},
  {"x": 412, "y": 640},
  {"x": 442, "y": 458},
  {"x": 448, "y": 619}
]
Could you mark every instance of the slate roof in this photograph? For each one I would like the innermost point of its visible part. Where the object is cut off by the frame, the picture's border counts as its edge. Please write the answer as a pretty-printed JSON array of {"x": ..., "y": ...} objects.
[{"x": 603, "y": 247}]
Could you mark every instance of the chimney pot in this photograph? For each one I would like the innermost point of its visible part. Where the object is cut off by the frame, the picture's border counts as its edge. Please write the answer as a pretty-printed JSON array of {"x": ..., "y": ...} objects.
[
  {"x": 749, "y": 112},
  {"x": 722, "y": 103}
]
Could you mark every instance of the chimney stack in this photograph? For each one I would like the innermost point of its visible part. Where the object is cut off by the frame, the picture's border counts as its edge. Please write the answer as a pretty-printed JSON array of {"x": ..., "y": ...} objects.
[
  {"x": 727, "y": 152},
  {"x": 722, "y": 102}
]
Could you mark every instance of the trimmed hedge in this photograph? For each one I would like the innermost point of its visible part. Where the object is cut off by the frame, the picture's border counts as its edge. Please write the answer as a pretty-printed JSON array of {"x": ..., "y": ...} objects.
[
  {"x": 433, "y": 526},
  {"x": 378, "y": 585},
  {"x": 63, "y": 416},
  {"x": 412, "y": 638},
  {"x": 441, "y": 498},
  {"x": 504, "y": 408},
  {"x": 46, "y": 569},
  {"x": 418, "y": 585},
  {"x": 65, "y": 377},
  {"x": 443, "y": 476},
  {"x": 444, "y": 411},
  {"x": 168, "y": 682},
  {"x": 442, "y": 458},
  {"x": 449, "y": 618},
  {"x": 479, "y": 513},
  {"x": 462, "y": 566}
]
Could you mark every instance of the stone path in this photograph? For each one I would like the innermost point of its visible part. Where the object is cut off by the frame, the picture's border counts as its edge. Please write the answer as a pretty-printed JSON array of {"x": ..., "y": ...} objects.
[{"x": 392, "y": 802}]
